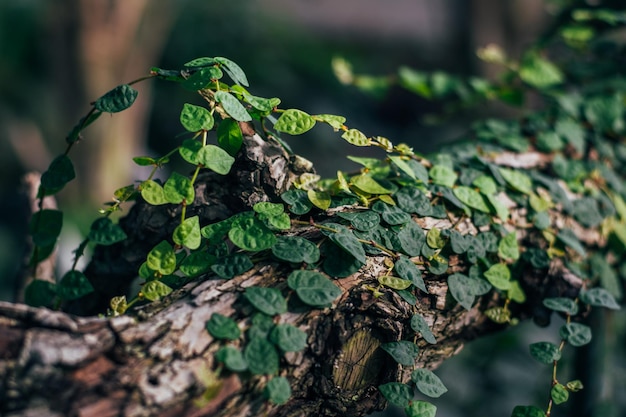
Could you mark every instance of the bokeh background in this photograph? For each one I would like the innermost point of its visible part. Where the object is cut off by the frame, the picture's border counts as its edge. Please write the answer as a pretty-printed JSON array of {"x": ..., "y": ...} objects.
[{"x": 58, "y": 56}]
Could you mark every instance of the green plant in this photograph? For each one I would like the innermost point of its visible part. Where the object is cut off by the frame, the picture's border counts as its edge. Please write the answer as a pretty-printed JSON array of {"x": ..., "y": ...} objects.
[{"x": 478, "y": 207}]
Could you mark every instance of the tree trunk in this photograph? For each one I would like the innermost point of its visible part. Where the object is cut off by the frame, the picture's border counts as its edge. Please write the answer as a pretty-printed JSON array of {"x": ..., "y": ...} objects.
[{"x": 160, "y": 361}]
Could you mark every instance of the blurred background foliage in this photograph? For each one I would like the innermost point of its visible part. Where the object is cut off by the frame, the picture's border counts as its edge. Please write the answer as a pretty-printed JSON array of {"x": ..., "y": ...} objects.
[{"x": 57, "y": 56}]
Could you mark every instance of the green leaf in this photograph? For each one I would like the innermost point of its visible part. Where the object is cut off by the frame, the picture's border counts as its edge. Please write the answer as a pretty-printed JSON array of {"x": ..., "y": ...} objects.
[
  {"x": 336, "y": 122},
  {"x": 419, "y": 325},
  {"x": 508, "y": 248},
  {"x": 162, "y": 259},
  {"x": 40, "y": 293},
  {"x": 288, "y": 338},
  {"x": 222, "y": 327},
  {"x": 313, "y": 288},
  {"x": 565, "y": 305},
  {"x": 394, "y": 282},
  {"x": 549, "y": 141},
  {"x": 397, "y": 393},
  {"x": 527, "y": 411},
  {"x": 188, "y": 233},
  {"x": 403, "y": 166},
  {"x": 153, "y": 193},
  {"x": 434, "y": 238},
  {"x": 402, "y": 351},
  {"x": 320, "y": 199},
  {"x": 428, "y": 383},
  {"x": 144, "y": 161},
  {"x": 366, "y": 183},
  {"x": 411, "y": 238},
  {"x": 516, "y": 292},
  {"x": 294, "y": 122},
  {"x": 392, "y": 215},
  {"x": 599, "y": 297},
  {"x": 232, "y": 106},
  {"x": 59, "y": 173},
  {"x": 229, "y": 136},
  {"x": 409, "y": 271},
  {"x": 576, "y": 334},
  {"x": 346, "y": 240},
  {"x": 586, "y": 212},
  {"x": 251, "y": 234},
  {"x": 471, "y": 198},
  {"x": 74, "y": 285},
  {"x": 231, "y": 266},
  {"x": 215, "y": 159},
  {"x": 364, "y": 220},
  {"x": 420, "y": 409},
  {"x": 85, "y": 121},
  {"x": 559, "y": 394},
  {"x": 45, "y": 227},
  {"x": 443, "y": 175},
  {"x": 267, "y": 300},
  {"x": 196, "y": 118},
  {"x": 104, "y": 232},
  {"x": 118, "y": 305},
  {"x": 116, "y": 100},
  {"x": 155, "y": 290},
  {"x": 197, "y": 263},
  {"x": 278, "y": 390},
  {"x": 270, "y": 209},
  {"x": 539, "y": 72},
  {"x": 545, "y": 352},
  {"x": 605, "y": 113},
  {"x": 486, "y": 185},
  {"x": 233, "y": 70},
  {"x": 298, "y": 201},
  {"x": 517, "y": 180},
  {"x": 232, "y": 358},
  {"x": 499, "y": 276},
  {"x": 296, "y": 249},
  {"x": 568, "y": 237},
  {"x": 356, "y": 137},
  {"x": 464, "y": 289},
  {"x": 189, "y": 150},
  {"x": 265, "y": 105},
  {"x": 178, "y": 188},
  {"x": 203, "y": 78},
  {"x": 261, "y": 356}
]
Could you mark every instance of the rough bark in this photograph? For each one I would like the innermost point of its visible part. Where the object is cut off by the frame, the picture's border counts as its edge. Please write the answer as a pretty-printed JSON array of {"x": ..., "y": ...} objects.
[{"x": 159, "y": 361}]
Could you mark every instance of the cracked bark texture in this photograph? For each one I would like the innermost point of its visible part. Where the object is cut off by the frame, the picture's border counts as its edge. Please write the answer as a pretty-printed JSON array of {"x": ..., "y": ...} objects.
[{"x": 159, "y": 361}]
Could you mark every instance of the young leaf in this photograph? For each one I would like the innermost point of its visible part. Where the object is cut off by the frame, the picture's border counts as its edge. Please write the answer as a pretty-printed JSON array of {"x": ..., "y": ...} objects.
[
  {"x": 320, "y": 199},
  {"x": 499, "y": 276},
  {"x": 278, "y": 390},
  {"x": 261, "y": 356},
  {"x": 288, "y": 338},
  {"x": 74, "y": 285},
  {"x": 116, "y": 100},
  {"x": 196, "y": 118},
  {"x": 559, "y": 394},
  {"x": 442, "y": 175},
  {"x": 403, "y": 351},
  {"x": 294, "y": 122},
  {"x": 40, "y": 293},
  {"x": 155, "y": 290},
  {"x": 222, "y": 327},
  {"x": 499, "y": 315},
  {"x": 508, "y": 248},
  {"x": 428, "y": 383},
  {"x": 517, "y": 180},
  {"x": 471, "y": 198},
  {"x": 397, "y": 393},
  {"x": 188, "y": 233},
  {"x": 313, "y": 288},
  {"x": 356, "y": 137},
  {"x": 267, "y": 300},
  {"x": 366, "y": 183},
  {"x": 394, "y": 282}
]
